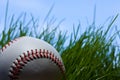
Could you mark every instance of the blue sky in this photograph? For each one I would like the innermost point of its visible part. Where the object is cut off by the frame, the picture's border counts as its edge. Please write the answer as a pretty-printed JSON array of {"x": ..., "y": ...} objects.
[{"x": 72, "y": 11}]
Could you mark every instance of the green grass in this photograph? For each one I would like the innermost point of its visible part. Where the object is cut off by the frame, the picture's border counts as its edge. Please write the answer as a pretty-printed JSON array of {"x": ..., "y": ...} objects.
[
  {"x": 92, "y": 56},
  {"x": 88, "y": 56}
]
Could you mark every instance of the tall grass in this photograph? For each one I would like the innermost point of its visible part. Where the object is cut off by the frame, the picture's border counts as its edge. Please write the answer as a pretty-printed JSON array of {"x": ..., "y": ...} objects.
[
  {"x": 88, "y": 56},
  {"x": 22, "y": 26},
  {"x": 93, "y": 56}
]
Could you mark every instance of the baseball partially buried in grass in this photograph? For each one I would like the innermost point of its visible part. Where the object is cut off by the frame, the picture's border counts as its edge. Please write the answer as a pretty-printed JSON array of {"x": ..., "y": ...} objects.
[{"x": 28, "y": 58}]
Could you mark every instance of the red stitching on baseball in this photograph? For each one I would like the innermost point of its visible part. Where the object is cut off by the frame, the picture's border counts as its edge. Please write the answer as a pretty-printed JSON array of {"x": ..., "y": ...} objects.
[
  {"x": 8, "y": 44},
  {"x": 23, "y": 59}
]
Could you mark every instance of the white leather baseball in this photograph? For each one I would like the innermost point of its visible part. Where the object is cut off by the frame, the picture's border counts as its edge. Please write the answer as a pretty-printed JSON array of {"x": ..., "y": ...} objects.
[{"x": 28, "y": 58}]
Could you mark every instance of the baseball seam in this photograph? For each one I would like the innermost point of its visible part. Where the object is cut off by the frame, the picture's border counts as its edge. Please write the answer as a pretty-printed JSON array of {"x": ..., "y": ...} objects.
[
  {"x": 8, "y": 44},
  {"x": 23, "y": 60}
]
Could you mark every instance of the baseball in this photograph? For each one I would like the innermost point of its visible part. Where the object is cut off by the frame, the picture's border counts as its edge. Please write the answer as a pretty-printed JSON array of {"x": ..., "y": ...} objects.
[{"x": 28, "y": 58}]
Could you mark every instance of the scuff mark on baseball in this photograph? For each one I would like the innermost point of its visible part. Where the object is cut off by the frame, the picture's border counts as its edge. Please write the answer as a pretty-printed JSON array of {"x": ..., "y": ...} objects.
[{"x": 28, "y": 58}]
